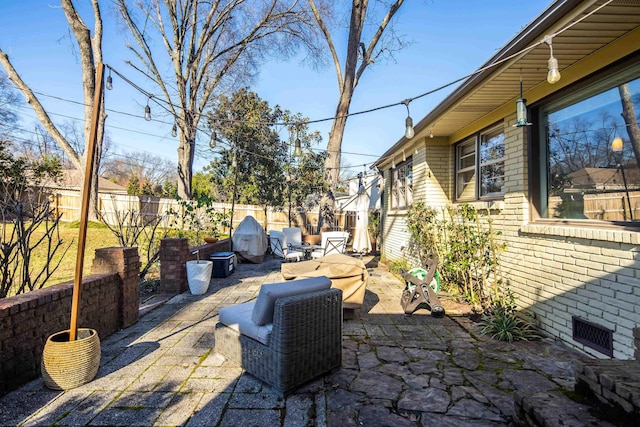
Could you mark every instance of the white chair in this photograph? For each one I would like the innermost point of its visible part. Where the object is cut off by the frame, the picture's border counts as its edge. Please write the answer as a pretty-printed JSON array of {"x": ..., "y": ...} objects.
[
  {"x": 292, "y": 236},
  {"x": 333, "y": 242},
  {"x": 276, "y": 240}
]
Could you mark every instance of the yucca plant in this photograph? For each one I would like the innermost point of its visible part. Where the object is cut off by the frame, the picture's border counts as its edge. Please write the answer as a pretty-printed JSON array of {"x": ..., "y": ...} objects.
[{"x": 503, "y": 323}]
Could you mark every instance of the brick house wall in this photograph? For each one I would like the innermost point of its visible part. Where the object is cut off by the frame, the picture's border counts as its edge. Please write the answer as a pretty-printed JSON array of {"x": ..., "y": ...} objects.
[
  {"x": 109, "y": 301},
  {"x": 555, "y": 271}
]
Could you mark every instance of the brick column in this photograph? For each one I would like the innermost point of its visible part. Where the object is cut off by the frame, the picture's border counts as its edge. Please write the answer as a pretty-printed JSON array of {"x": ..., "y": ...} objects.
[
  {"x": 125, "y": 262},
  {"x": 174, "y": 254}
]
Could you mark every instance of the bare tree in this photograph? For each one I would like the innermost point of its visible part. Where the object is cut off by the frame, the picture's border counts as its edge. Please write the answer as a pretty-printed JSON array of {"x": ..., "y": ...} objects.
[
  {"x": 8, "y": 102},
  {"x": 359, "y": 56},
  {"x": 90, "y": 52},
  {"x": 209, "y": 47},
  {"x": 28, "y": 224},
  {"x": 145, "y": 167}
]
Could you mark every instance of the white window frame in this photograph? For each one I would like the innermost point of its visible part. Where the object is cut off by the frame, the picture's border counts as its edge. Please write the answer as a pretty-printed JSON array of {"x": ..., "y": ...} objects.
[
  {"x": 471, "y": 189},
  {"x": 402, "y": 185}
]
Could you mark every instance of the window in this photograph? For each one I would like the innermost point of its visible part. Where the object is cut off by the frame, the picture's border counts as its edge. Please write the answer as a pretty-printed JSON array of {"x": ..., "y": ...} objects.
[
  {"x": 402, "y": 185},
  {"x": 489, "y": 182},
  {"x": 581, "y": 176}
]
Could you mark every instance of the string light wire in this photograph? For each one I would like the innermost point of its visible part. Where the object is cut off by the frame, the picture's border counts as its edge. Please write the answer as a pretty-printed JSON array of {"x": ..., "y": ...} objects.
[{"x": 171, "y": 108}]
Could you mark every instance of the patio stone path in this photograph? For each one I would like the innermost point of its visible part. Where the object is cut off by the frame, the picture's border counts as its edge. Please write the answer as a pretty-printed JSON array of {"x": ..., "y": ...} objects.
[{"x": 397, "y": 370}]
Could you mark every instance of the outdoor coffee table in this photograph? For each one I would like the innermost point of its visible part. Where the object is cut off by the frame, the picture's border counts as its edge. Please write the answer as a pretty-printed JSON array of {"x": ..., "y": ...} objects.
[{"x": 307, "y": 249}]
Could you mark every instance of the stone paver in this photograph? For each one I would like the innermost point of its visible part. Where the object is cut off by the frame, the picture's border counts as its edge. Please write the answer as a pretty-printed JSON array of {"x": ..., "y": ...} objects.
[{"x": 397, "y": 370}]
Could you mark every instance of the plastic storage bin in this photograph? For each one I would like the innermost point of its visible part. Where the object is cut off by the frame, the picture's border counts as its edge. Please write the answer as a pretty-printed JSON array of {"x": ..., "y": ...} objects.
[{"x": 223, "y": 263}]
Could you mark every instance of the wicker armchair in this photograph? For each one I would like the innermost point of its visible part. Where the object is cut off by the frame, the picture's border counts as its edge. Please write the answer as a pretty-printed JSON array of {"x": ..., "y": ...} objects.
[{"x": 305, "y": 341}]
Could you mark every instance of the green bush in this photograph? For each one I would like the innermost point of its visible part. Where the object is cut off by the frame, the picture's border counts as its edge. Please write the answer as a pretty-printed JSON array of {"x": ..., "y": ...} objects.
[
  {"x": 467, "y": 249},
  {"x": 397, "y": 265}
]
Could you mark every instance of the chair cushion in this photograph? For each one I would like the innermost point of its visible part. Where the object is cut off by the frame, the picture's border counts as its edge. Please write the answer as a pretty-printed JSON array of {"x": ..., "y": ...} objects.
[
  {"x": 269, "y": 293},
  {"x": 238, "y": 317}
]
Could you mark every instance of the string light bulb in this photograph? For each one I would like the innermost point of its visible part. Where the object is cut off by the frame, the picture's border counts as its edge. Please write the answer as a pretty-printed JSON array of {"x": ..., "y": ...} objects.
[
  {"x": 409, "y": 132},
  {"x": 147, "y": 111},
  {"x": 109, "y": 84},
  {"x": 174, "y": 131},
  {"x": 297, "y": 151},
  {"x": 616, "y": 145},
  {"x": 212, "y": 141},
  {"x": 553, "y": 76}
]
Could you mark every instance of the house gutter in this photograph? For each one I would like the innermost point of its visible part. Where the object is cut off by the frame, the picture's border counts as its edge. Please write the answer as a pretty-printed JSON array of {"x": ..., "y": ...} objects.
[{"x": 531, "y": 33}]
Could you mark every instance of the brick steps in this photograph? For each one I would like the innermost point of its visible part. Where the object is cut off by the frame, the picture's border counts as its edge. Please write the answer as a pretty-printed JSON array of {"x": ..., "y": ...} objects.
[
  {"x": 613, "y": 382},
  {"x": 553, "y": 409},
  {"x": 608, "y": 393}
]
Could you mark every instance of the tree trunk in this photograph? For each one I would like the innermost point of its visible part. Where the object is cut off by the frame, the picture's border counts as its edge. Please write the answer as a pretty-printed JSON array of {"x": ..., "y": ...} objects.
[
  {"x": 347, "y": 85},
  {"x": 629, "y": 115},
  {"x": 185, "y": 170}
]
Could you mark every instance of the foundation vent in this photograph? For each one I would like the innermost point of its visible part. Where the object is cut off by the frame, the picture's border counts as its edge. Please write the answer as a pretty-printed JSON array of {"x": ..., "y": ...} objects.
[{"x": 593, "y": 336}]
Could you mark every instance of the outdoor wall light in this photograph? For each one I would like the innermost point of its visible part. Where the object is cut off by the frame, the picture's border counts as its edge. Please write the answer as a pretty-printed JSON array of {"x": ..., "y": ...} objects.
[
  {"x": 174, "y": 131},
  {"x": 409, "y": 132},
  {"x": 553, "y": 76},
  {"x": 431, "y": 133},
  {"x": 521, "y": 110}
]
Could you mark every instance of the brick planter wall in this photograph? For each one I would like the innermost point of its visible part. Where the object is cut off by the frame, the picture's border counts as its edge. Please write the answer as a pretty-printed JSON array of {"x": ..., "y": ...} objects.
[
  {"x": 174, "y": 253},
  {"x": 126, "y": 262},
  {"x": 27, "y": 320}
]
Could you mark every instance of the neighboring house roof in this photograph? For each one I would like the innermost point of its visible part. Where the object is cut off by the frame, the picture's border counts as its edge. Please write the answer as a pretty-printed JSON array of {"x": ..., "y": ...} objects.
[
  {"x": 604, "y": 178},
  {"x": 72, "y": 179},
  {"x": 490, "y": 93}
]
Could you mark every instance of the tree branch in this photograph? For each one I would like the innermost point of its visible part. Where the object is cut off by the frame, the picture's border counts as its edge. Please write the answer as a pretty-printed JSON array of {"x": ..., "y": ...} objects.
[
  {"x": 366, "y": 60},
  {"x": 327, "y": 36},
  {"x": 39, "y": 110}
]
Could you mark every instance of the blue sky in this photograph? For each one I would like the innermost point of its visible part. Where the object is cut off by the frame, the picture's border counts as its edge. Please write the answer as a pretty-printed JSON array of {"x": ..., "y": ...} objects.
[{"x": 450, "y": 39}]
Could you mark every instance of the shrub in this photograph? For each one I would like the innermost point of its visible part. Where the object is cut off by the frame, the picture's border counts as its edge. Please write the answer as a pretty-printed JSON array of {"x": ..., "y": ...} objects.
[
  {"x": 28, "y": 221},
  {"x": 467, "y": 249},
  {"x": 503, "y": 323}
]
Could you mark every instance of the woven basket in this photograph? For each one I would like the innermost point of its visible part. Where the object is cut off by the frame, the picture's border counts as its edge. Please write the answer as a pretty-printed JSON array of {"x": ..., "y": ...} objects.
[{"x": 69, "y": 364}]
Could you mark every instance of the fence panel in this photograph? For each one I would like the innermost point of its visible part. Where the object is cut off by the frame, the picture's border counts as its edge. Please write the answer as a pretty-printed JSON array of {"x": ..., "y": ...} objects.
[{"x": 113, "y": 207}]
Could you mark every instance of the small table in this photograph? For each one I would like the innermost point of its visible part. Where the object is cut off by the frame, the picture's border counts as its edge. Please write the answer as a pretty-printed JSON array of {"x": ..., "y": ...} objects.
[{"x": 307, "y": 249}]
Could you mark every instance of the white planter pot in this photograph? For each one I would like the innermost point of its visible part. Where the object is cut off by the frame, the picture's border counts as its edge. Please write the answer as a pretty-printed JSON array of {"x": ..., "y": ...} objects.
[{"x": 199, "y": 276}]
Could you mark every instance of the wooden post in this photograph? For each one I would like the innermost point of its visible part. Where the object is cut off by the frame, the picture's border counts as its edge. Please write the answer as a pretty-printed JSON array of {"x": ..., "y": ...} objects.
[{"x": 84, "y": 212}]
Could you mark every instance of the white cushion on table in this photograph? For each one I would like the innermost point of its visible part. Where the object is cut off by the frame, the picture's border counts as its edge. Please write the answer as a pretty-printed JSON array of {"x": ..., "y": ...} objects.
[
  {"x": 238, "y": 317},
  {"x": 269, "y": 293}
]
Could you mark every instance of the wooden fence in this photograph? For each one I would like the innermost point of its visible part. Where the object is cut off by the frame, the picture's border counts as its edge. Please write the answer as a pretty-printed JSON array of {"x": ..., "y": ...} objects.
[
  {"x": 112, "y": 206},
  {"x": 610, "y": 206}
]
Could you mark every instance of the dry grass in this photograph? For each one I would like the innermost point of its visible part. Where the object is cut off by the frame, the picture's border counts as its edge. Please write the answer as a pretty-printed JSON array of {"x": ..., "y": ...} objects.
[{"x": 98, "y": 236}]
